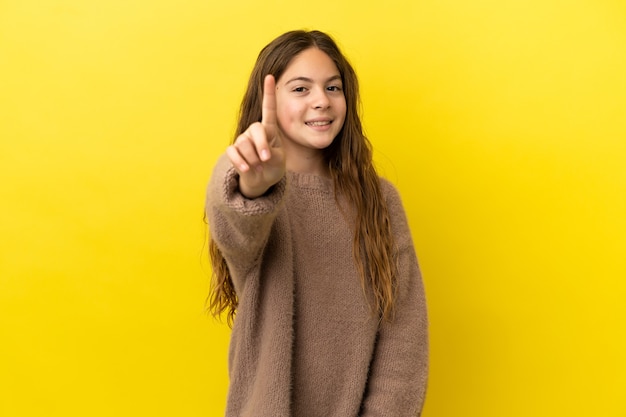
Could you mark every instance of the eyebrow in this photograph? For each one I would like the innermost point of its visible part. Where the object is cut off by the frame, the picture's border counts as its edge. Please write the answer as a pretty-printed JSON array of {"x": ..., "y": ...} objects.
[{"x": 309, "y": 80}]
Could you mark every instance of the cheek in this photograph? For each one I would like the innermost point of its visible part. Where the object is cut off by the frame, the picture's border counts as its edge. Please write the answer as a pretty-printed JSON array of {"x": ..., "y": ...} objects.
[
  {"x": 281, "y": 115},
  {"x": 340, "y": 104},
  {"x": 341, "y": 110},
  {"x": 288, "y": 113}
]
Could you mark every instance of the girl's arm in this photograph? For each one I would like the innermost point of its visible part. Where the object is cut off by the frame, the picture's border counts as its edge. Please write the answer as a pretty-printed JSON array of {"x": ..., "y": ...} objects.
[
  {"x": 399, "y": 369},
  {"x": 246, "y": 186},
  {"x": 239, "y": 225}
]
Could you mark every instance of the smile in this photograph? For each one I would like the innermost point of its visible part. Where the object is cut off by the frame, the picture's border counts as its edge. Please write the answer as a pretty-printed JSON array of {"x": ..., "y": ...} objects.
[{"x": 319, "y": 123}]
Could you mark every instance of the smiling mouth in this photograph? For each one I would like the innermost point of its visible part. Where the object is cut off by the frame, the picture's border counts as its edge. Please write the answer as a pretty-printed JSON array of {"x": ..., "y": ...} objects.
[{"x": 320, "y": 123}]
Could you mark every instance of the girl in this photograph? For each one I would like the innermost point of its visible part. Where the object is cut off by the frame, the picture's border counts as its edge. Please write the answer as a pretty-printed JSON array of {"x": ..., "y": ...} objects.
[{"x": 312, "y": 250}]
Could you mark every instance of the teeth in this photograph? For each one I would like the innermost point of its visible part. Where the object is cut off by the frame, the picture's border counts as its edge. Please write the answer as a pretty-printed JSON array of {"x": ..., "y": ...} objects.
[{"x": 318, "y": 123}]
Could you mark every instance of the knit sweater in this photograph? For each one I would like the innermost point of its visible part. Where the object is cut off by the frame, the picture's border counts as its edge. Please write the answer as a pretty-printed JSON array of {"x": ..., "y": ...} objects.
[{"x": 304, "y": 341}]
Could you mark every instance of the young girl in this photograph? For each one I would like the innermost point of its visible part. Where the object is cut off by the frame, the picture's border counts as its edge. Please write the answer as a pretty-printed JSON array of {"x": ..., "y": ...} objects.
[{"x": 312, "y": 250}]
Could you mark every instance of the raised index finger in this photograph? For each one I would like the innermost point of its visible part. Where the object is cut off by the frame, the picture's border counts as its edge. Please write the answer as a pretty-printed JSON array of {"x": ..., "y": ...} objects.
[{"x": 268, "y": 107}]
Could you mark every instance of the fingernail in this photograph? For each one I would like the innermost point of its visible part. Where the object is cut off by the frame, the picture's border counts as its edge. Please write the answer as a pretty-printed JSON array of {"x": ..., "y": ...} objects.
[{"x": 265, "y": 155}]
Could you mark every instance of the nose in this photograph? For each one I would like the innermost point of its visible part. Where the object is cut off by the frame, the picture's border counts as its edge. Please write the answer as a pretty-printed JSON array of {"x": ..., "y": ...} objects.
[{"x": 319, "y": 99}]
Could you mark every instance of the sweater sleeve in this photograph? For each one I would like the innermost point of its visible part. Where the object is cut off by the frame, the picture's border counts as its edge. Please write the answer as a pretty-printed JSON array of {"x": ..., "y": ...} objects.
[
  {"x": 240, "y": 226},
  {"x": 399, "y": 368}
]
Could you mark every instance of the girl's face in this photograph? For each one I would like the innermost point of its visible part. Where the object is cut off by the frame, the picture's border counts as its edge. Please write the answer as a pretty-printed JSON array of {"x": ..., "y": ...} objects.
[{"x": 310, "y": 103}]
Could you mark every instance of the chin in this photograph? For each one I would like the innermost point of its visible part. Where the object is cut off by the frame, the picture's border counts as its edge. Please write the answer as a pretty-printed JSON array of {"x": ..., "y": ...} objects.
[{"x": 323, "y": 144}]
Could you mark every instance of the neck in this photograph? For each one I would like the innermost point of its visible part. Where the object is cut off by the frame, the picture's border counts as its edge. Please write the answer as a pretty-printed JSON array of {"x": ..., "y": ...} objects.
[
  {"x": 310, "y": 162},
  {"x": 315, "y": 166}
]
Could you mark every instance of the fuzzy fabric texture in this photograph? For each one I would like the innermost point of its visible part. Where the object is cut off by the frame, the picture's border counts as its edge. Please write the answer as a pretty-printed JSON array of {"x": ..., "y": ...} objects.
[{"x": 304, "y": 341}]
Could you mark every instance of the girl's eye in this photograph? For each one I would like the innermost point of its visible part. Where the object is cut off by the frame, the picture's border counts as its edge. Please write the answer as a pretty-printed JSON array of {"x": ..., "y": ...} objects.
[
  {"x": 299, "y": 89},
  {"x": 334, "y": 88}
]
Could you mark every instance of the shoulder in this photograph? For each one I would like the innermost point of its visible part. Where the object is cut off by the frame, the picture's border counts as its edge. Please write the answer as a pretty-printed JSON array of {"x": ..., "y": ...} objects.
[
  {"x": 395, "y": 208},
  {"x": 391, "y": 194}
]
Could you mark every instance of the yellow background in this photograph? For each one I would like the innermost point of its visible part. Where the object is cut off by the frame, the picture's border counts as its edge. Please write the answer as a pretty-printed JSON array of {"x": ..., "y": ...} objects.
[{"x": 501, "y": 122}]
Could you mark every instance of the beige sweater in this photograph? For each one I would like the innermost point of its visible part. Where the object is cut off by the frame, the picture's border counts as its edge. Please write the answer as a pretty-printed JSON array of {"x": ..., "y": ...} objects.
[{"x": 304, "y": 342}]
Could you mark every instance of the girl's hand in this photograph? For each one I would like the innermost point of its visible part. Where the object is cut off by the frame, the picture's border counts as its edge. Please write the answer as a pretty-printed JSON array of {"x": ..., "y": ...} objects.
[{"x": 257, "y": 154}]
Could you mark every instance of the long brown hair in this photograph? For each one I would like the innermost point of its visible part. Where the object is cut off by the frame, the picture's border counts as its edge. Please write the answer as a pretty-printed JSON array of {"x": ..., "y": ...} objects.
[{"x": 349, "y": 160}]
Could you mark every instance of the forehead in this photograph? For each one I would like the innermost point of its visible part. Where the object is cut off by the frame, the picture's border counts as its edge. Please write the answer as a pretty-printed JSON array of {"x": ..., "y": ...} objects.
[{"x": 312, "y": 63}]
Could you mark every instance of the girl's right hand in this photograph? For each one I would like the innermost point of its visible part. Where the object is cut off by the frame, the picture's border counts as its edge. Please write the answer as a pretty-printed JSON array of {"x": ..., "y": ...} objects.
[{"x": 257, "y": 154}]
